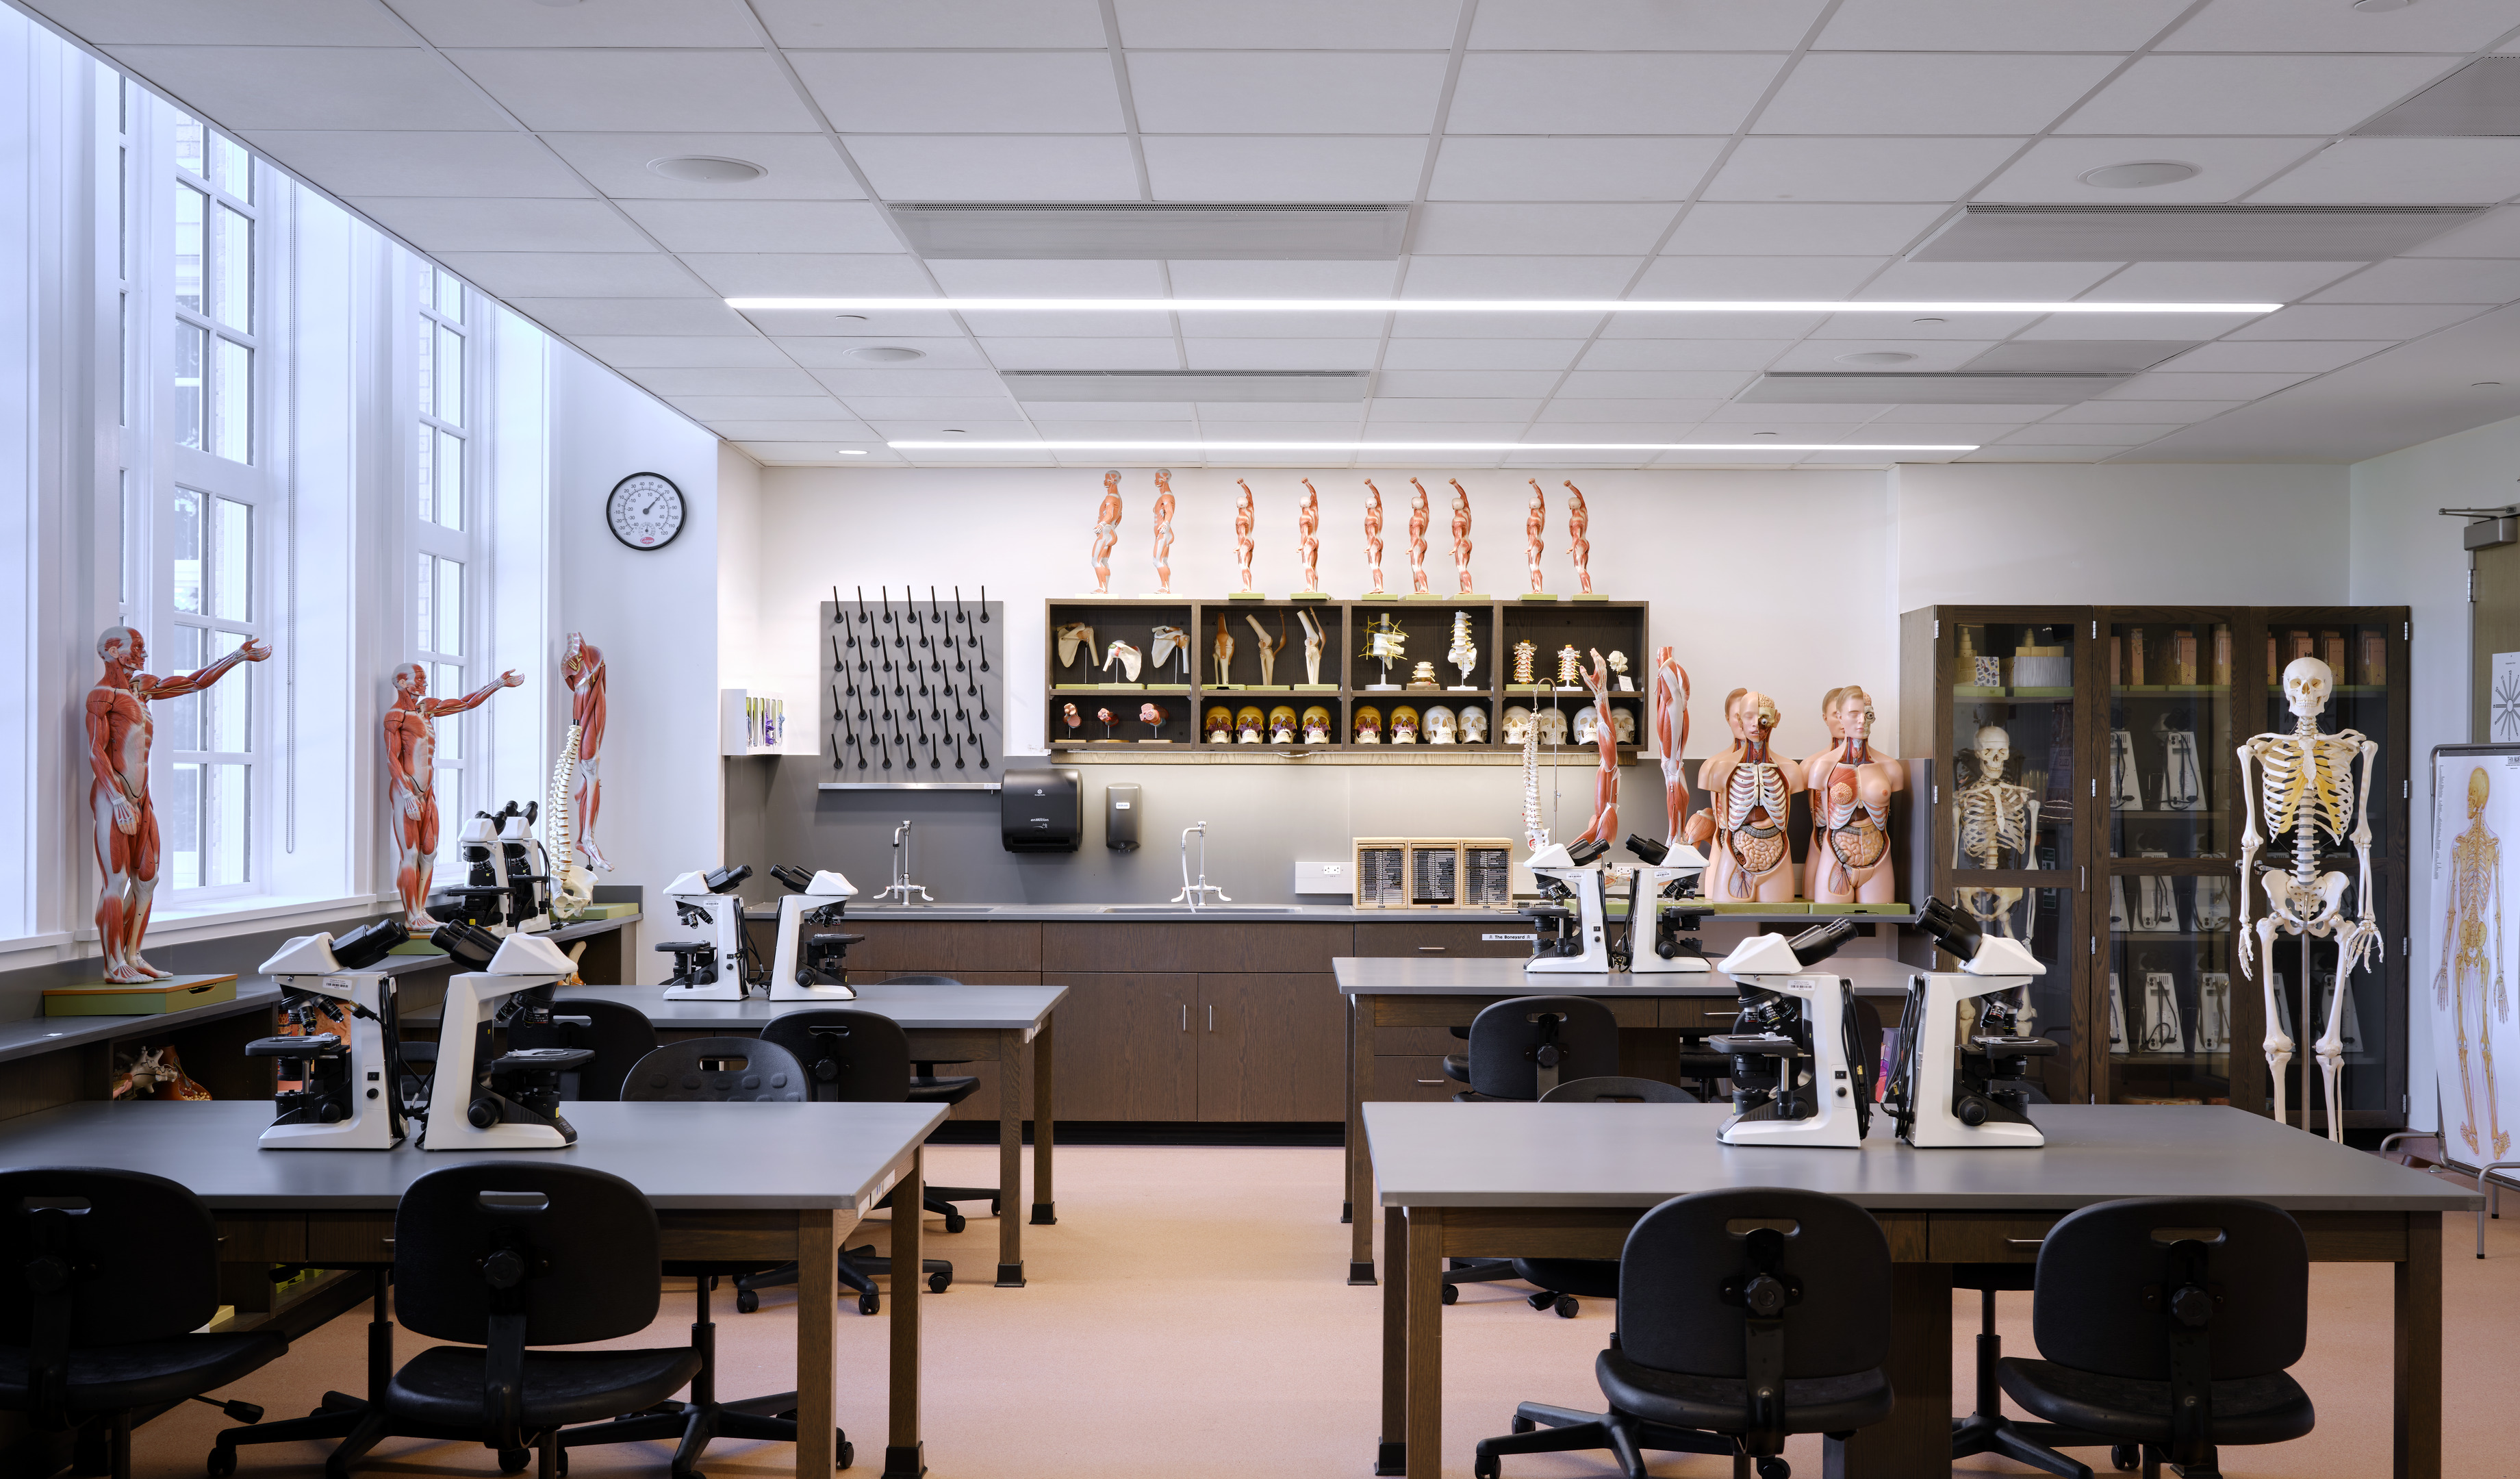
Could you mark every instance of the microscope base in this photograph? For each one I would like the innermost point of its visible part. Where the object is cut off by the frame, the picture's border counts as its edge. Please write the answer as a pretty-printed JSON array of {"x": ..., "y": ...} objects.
[
  {"x": 373, "y": 1131},
  {"x": 789, "y": 991},
  {"x": 713, "y": 991},
  {"x": 1827, "y": 1132},
  {"x": 463, "y": 1136},
  {"x": 1950, "y": 1135},
  {"x": 1654, "y": 964}
]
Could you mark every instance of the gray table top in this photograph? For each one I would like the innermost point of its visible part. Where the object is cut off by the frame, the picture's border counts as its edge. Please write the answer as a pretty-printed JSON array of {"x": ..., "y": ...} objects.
[
  {"x": 684, "y": 1157},
  {"x": 918, "y": 1008},
  {"x": 1426, "y": 975},
  {"x": 1236, "y": 914},
  {"x": 1637, "y": 1155}
]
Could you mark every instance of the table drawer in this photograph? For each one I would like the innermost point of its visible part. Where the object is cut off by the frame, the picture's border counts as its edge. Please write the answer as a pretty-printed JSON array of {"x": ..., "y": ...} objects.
[
  {"x": 350, "y": 1238},
  {"x": 1713, "y": 1013},
  {"x": 1407, "y": 1080},
  {"x": 1987, "y": 1236},
  {"x": 1444, "y": 939}
]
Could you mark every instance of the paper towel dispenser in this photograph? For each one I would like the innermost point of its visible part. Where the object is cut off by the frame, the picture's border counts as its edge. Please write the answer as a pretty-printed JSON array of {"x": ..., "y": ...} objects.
[{"x": 1039, "y": 810}]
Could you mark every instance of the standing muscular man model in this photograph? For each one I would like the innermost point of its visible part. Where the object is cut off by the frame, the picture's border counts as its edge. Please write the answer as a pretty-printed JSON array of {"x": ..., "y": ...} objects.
[{"x": 411, "y": 759}]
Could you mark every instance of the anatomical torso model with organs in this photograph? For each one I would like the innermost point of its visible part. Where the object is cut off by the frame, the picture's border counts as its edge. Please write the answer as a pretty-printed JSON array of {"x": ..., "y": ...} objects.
[
  {"x": 1753, "y": 859},
  {"x": 1851, "y": 785}
]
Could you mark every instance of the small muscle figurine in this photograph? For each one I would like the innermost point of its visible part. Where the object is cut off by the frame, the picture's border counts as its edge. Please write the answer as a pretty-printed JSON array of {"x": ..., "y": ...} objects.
[
  {"x": 1994, "y": 820},
  {"x": 1417, "y": 520},
  {"x": 581, "y": 668},
  {"x": 1372, "y": 541},
  {"x": 1671, "y": 737},
  {"x": 1605, "y": 738},
  {"x": 1243, "y": 524},
  {"x": 1579, "y": 524},
  {"x": 119, "y": 731},
  {"x": 411, "y": 758},
  {"x": 2471, "y": 961},
  {"x": 1461, "y": 532},
  {"x": 1312, "y": 645},
  {"x": 1851, "y": 785},
  {"x": 1268, "y": 648},
  {"x": 1753, "y": 859},
  {"x": 1106, "y": 533},
  {"x": 1220, "y": 653},
  {"x": 1308, "y": 536},
  {"x": 1163, "y": 531},
  {"x": 1535, "y": 530}
]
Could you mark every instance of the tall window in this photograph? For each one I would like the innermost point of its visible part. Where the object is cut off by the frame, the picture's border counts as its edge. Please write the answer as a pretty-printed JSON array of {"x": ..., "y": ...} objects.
[
  {"x": 205, "y": 791},
  {"x": 214, "y": 297},
  {"x": 442, "y": 536}
]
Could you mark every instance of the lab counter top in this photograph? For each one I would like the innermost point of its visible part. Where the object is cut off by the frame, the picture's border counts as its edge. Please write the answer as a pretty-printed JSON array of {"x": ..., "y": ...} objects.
[{"x": 1246, "y": 914}]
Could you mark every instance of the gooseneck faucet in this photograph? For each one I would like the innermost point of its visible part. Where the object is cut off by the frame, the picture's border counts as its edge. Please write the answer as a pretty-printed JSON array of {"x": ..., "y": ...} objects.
[
  {"x": 1196, "y": 893},
  {"x": 901, "y": 883}
]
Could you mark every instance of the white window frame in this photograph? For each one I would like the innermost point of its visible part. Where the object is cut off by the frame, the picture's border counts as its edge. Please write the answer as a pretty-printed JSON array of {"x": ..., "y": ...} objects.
[{"x": 464, "y": 738}]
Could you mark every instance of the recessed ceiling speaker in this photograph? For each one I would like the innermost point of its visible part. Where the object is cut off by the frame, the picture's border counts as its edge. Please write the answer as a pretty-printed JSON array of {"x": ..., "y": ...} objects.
[
  {"x": 1187, "y": 385},
  {"x": 2139, "y": 173},
  {"x": 2188, "y": 232},
  {"x": 1131, "y": 231},
  {"x": 706, "y": 169},
  {"x": 886, "y": 354},
  {"x": 1875, "y": 357}
]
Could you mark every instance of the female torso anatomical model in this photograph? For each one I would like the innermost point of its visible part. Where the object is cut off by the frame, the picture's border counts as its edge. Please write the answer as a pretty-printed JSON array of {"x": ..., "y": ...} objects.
[
  {"x": 1163, "y": 531},
  {"x": 1535, "y": 533},
  {"x": 1461, "y": 532},
  {"x": 1243, "y": 524},
  {"x": 1372, "y": 540},
  {"x": 1671, "y": 737},
  {"x": 1417, "y": 520},
  {"x": 1106, "y": 533},
  {"x": 1851, "y": 784},
  {"x": 1753, "y": 859}
]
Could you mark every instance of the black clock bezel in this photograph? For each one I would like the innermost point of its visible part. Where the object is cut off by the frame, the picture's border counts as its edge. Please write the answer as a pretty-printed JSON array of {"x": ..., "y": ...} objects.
[{"x": 679, "y": 525}]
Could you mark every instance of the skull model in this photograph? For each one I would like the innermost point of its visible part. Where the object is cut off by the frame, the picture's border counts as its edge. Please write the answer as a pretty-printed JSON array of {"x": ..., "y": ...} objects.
[
  {"x": 1403, "y": 724},
  {"x": 1474, "y": 726},
  {"x": 1247, "y": 725},
  {"x": 1625, "y": 724},
  {"x": 1552, "y": 727},
  {"x": 1220, "y": 726},
  {"x": 1317, "y": 725},
  {"x": 1281, "y": 725},
  {"x": 1518, "y": 724},
  {"x": 1587, "y": 725},
  {"x": 1368, "y": 725},
  {"x": 1439, "y": 726}
]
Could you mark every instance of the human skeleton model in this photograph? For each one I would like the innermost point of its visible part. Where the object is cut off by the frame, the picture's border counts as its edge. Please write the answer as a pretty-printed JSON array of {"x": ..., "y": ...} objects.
[
  {"x": 1312, "y": 645},
  {"x": 1671, "y": 736},
  {"x": 2310, "y": 787},
  {"x": 1126, "y": 656},
  {"x": 1221, "y": 653},
  {"x": 573, "y": 887},
  {"x": 1070, "y": 636},
  {"x": 1418, "y": 518},
  {"x": 1308, "y": 536},
  {"x": 1606, "y": 739},
  {"x": 1579, "y": 523},
  {"x": 2469, "y": 944},
  {"x": 1172, "y": 644},
  {"x": 1463, "y": 654},
  {"x": 1372, "y": 540},
  {"x": 1992, "y": 817},
  {"x": 1461, "y": 532},
  {"x": 1851, "y": 787},
  {"x": 1535, "y": 532},
  {"x": 1754, "y": 860},
  {"x": 1163, "y": 533},
  {"x": 581, "y": 668},
  {"x": 411, "y": 781},
  {"x": 1268, "y": 648},
  {"x": 1520, "y": 726},
  {"x": 1106, "y": 533},
  {"x": 1243, "y": 524},
  {"x": 118, "y": 735}
]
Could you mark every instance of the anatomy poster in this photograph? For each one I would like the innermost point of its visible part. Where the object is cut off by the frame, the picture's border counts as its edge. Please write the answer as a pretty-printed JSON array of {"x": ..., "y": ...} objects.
[{"x": 2476, "y": 841}]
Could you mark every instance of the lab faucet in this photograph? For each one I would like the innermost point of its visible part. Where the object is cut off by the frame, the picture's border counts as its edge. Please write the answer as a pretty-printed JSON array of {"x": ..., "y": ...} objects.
[
  {"x": 1196, "y": 893},
  {"x": 901, "y": 883}
]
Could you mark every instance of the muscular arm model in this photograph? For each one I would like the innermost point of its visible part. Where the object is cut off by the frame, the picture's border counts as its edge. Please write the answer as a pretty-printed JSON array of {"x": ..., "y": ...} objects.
[
  {"x": 1372, "y": 540},
  {"x": 1163, "y": 531},
  {"x": 581, "y": 668},
  {"x": 1579, "y": 524},
  {"x": 1461, "y": 532}
]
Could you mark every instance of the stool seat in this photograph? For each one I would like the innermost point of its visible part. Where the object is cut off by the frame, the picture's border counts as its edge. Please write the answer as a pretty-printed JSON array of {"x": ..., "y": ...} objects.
[
  {"x": 1717, "y": 1403},
  {"x": 442, "y": 1385},
  {"x": 144, "y": 1373},
  {"x": 937, "y": 1089},
  {"x": 2250, "y": 1410},
  {"x": 1457, "y": 1067}
]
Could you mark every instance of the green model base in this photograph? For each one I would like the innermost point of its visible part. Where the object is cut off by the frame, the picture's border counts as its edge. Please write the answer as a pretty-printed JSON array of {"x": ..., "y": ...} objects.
[
  {"x": 1534, "y": 595},
  {"x": 1379, "y": 596},
  {"x": 1167, "y": 688},
  {"x": 1588, "y": 596},
  {"x": 1316, "y": 688},
  {"x": 1248, "y": 596},
  {"x": 1310, "y": 595},
  {"x": 139, "y": 998}
]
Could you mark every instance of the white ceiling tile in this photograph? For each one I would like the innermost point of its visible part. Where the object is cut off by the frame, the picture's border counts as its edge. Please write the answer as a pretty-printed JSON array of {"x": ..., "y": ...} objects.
[
  {"x": 2162, "y": 385},
  {"x": 2219, "y": 281},
  {"x": 810, "y": 454},
  {"x": 2050, "y": 173},
  {"x": 1570, "y": 169},
  {"x": 1280, "y": 354},
  {"x": 397, "y": 163},
  {"x": 1399, "y": 428},
  {"x": 2089, "y": 433},
  {"x": 1682, "y": 354},
  {"x": 253, "y": 88},
  {"x": 2015, "y": 454},
  {"x": 1133, "y": 426},
  {"x": 889, "y": 326},
  {"x": 879, "y": 408},
  {"x": 1310, "y": 92},
  {"x": 2024, "y": 26},
  {"x": 1736, "y": 416},
  {"x": 1928, "y": 93},
  {"x": 616, "y": 23},
  {"x": 1937, "y": 432},
  {"x": 1712, "y": 326},
  {"x": 1278, "y": 325},
  {"x": 1618, "y": 420},
  {"x": 913, "y": 380},
  {"x": 789, "y": 408},
  {"x": 1926, "y": 354},
  {"x": 2328, "y": 321},
  {"x": 1481, "y": 354},
  {"x": 1518, "y": 276},
  {"x": 1290, "y": 25},
  {"x": 835, "y": 353},
  {"x": 1558, "y": 92},
  {"x": 1262, "y": 412},
  {"x": 1061, "y": 279},
  {"x": 2316, "y": 355},
  {"x": 1618, "y": 25},
  {"x": 1965, "y": 280},
  {"x": 875, "y": 23},
  {"x": 2250, "y": 95},
  {"x": 906, "y": 427},
  {"x": 2428, "y": 279},
  {"x": 808, "y": 274},
  {"x": 663, "y": 351},
  {"x": 1062, "y": 325},
  {"x": 800, "y": 166},
  {"x": 504, "y": 225},
  {"x": 578, "y": 318},
  {"x": 1801, "y": 229},
  {"x": 1456, "y": 408},
  {"x": 933, "y": 169},
  {"x": 1455, "y": 227},
  {"x": 1691, "y": 385},
  {"x": 1893, "y": 422},
  {"x": 2495, "y": 234},
  {"x": 2139, "y": 326},
  {"x": 1393, "y": 384},
  {"x": 1257, "y": 168},
  {"x": 1026, "y": 353},
  {"x": 2162, "y": 412},
  {"x": 575, "y": 274},
  {"x": 641, "y": 91},
  {"x": 1954, "y": 326},
  {"x": 1756, "y": 277},
  {"x": 1542, "y": 326},
  {"x": 671, "y": 383},
  {"x": 750, "y": 226},
  {"x": 1767, "y": 168},
  {"x": 2276, "y": 25},
  {"x": 1221, "y": 278},
  {"x": 241, "y": 23},
  {"x": 2402, "y": 172},
  {"x": 964, "y": 91},
  {"x": 843, "y": 432}
]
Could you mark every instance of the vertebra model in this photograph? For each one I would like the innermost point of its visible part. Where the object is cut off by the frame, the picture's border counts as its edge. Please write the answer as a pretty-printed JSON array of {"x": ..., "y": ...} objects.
[
  {"x": 1535, "y": 533},
  {"x": 1461, "y": 532},
  {"x": 1419, "y": 517},
  {"x": 1850, "y": 787},
  {"x": 1372, "y": 540},
  {"x": 573, "y": 887},
  {"x": 1671, "y": 736},
  {"x": 1386, "y": 644},
  {"x": 1308, "y": 536},
  {"x": 1579, "y": 524},
  {"x": 1163, "y": 532},
  {"x": 1993, "y": 819},
  {"x": 1570, "y": 667},
  {"x": 2310, "y": 788},
  {"x": 1464, "y": 653},
  {"x": 1525, "y": 654},
  {"x": 411, "y": 777},
  {"x": 1747, "y": 822},
  {"x": 1244, "y": 518},
  {"x": 2471, "y": 957},
  {"x": 1106, "y": 533}
]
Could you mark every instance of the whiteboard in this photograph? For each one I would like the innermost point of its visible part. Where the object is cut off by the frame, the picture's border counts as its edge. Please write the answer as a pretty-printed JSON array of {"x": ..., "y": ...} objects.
[{"x": 2475, "y": 936}]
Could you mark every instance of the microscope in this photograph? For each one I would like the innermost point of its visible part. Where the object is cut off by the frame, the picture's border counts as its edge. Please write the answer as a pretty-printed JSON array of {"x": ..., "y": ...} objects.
[
  {"x": 809, "y": 968},
  {"x": 1960, "y": 1036},
  {"x": 1662, "y": 925},
  {"x": 508, "y": 888},
  {"x": 1570, "y": 926},
  {"x": 345, "y": 1057},
  {"x": 1798, "y": 1077},
  {"x": 513, "y": 1101},
  {"x": 711, "y": 969}
]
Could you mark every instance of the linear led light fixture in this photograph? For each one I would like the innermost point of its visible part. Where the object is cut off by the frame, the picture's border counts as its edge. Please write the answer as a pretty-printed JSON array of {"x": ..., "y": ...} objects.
[
  {"x": 1446, "y": 305},
  {"x": 1097, "y": 445}
]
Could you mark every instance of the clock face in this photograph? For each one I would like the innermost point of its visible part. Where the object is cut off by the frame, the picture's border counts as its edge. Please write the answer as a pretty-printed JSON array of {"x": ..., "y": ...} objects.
[{"x": 644, "y": 510}]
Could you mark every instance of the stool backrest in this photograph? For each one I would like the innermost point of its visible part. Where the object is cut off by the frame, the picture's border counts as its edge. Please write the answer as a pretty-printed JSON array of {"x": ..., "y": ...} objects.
[
  {"x": 1613, "y": 1090},
  {"x": 705, "y": 1070},
  {"x": 2109, "y": 1278},
  {"x": 617, "y": 1033},
  {"x": 1509, "y": 1038},
  {"x": 847, "y": 1056},
  {"x": 1683, "y": 1257},
  {"x": 103, "y": 1257},
  {"x": 572, "y": 1251}
]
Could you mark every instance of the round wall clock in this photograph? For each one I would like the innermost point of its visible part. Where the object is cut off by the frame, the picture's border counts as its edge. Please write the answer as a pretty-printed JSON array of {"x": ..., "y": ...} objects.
[{"x": 644, "y": 510}]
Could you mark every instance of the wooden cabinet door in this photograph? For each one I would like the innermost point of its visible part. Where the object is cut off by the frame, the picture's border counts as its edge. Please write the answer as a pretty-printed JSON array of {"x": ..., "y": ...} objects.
[
  {"x": 1272, "y": 1046},
  {"x": 1126, "y": 1051}
]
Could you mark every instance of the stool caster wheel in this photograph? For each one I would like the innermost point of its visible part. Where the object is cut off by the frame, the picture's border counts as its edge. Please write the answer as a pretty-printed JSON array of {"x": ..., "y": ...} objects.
[
  {"x": 956, "y": 1221},
  {"x": 1774, "y": 1469},
  {"x": 2125, "y": 1455},
  {"x": 1539, "y": 1301},
  {"x": 1568, "y": 1306},
  {"x": 870, "y": 1303},
  {"x": 938, "y": 1283},
  {"x": 515, "y": 1460},
  {"x": 1486, "y": 1467},
  {"x": 1523, "y": 1424},
  {"x": 1451, "y": 1292},
  {"x": 746, "y": 1301},
  {"x": 846, "y": 1455},
  {"x": 221, "y": 1463}
]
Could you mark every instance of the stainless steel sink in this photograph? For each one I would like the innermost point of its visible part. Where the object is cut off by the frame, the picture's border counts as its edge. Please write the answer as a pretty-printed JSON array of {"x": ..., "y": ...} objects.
[{"x": 1205, "y": 908}]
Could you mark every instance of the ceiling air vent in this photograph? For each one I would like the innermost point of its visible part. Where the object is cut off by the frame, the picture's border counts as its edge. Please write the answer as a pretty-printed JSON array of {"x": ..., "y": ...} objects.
[
  {"x": 1187, "y": 385},
  {"x": 1130, "y": 231},
  {"x": 2479, "y": 100},
  {"x": 2188, "y": 232},
  {"x": 1938, "y": 387}
]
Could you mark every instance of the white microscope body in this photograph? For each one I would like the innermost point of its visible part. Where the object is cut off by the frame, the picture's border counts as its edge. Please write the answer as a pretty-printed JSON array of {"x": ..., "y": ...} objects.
[
  {"x": 795, "y": 975},
  {"x": 712, "y": 969},
  {"x": 1945, "y": 1080},
  {"x": 1648, "y": 939},
  {"x": 1574, "y": 932},
  {"x": 503, "y": 854},
  {"x": 1815, "y": 1097},
  {"x": 359, "y": 1107},
  {"x": 465, "y": 1114}
]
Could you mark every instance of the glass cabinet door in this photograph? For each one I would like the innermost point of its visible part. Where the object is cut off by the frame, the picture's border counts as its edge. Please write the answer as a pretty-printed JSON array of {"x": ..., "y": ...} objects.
[
  {"x": 2171, "y": 762},
  {"x": 2169, "y": 995},
  {"x": 2012, "y": 806},
  {"x": 2042, "y": 919}
]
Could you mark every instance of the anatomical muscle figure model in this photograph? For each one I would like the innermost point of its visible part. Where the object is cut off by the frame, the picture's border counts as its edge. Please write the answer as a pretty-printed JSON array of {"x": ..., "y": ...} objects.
[
  {"x": 1106, "y": 533},
  {"x": 1243, "y": 524},
  {"x": 1308, "y": 536},
  {"x": 1163, "y": 531},
  {"x": 1993, "y": 819},
  {"x": 411, "y": 778},
  {"x": 1579, "y": 525},
  {"x": 119, "y": 731},
  {"x": 1535, "y": 534},
  {"x": 1751, "y": 790},
  {"x": 1671, "y": 736},
  {"x": 2471, "y": 957},
  {"x": 1461, "y": 532},
  {"x": 2310, "y": 788},
  {"x": 1417, "y": 519},
  {"x": 581, "y": 668},
  {"x": 1372, "y": 539},
  {"x": 1850, "y": 785},
  {"x": 1605, "y": 736}
]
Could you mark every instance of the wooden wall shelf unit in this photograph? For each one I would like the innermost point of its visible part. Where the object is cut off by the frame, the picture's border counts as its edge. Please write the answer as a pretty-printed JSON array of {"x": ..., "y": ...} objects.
[{"x": 1188, "y": 688}]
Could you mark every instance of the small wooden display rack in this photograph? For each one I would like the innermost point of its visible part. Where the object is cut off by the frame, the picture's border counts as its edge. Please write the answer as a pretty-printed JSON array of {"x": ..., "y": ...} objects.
[{"x": 1433, "y": 872}]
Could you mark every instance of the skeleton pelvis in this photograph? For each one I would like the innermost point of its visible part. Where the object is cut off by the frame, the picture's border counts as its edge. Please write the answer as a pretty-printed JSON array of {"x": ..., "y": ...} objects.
[{"x": 2315, "y": 907}]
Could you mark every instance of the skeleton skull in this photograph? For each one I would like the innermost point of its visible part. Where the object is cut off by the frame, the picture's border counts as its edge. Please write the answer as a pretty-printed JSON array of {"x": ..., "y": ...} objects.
[
  {"x": 1403, "y": 724},
  {"x": 1625, "y": 725},
  {"x": 2307, "y": 683},
  {"x": 1474, "y": 726},
  {"x": 1993, "y": 752},
  {"x": 1439, "y": 726},
  {"x": 1518, "y": 724},
  {"x": 1552, "y": 727},
  {"x": 1587, "y": 725}
]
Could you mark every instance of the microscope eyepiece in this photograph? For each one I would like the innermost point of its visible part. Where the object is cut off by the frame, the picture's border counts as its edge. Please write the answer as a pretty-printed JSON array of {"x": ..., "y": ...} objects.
[
  {"x": 1820, "y": 941},
  {"x": 724, "y": 879},
  {"x": 1581, "y": 853},
  {"x": 471, "y": 944},
  {"x": 364, "y": 947},
  {"x": 796, "y": 878},
  {"x": 1649, "y": 850},
  {"x": 1958, "y": 935}
]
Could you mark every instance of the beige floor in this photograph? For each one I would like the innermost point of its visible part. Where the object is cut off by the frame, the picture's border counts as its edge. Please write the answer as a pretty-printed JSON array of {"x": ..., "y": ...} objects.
[{"x": 1188, "y": 1317}]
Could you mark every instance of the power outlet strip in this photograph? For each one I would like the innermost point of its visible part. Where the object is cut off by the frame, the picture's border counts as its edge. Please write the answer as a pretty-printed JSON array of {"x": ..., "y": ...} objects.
[{"x": 1324, "y": 878}]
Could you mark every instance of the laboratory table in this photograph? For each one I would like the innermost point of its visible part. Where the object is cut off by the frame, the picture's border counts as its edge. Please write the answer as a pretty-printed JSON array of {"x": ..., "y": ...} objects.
[
  {"x": 1404, "y": 993},
  {"x": 946, "y": 1024},
  {"x": 729, "y": 1181},
  {"x": 1569, "y": 1180}
]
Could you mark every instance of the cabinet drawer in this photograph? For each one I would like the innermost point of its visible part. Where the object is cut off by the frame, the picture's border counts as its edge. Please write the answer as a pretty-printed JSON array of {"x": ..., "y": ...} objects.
[
  {"x": 1713, "y": 1013},
  {"x": 1443, "y": 939},
  {"x": 1987, "y": 1236},
  {"x": 1181, "y": 946},
  {"x": 1404, "y": 1079},
  {"x": 945, "y": 946},
  {"x": 351, "y": 1237}
]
